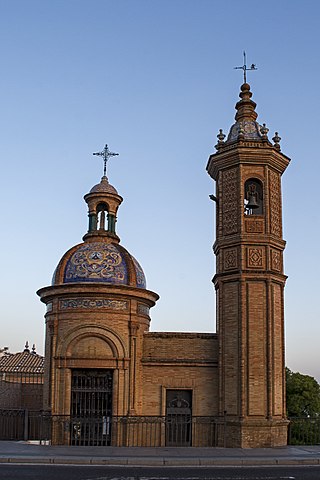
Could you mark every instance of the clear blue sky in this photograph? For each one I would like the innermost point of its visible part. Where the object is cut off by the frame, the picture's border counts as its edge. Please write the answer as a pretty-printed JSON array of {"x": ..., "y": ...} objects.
[{"x": 155, "y": 80}]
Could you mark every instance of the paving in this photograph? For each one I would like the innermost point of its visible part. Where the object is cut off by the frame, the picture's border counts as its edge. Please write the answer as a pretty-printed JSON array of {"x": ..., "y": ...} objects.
[{"x": 23, "y": 452}]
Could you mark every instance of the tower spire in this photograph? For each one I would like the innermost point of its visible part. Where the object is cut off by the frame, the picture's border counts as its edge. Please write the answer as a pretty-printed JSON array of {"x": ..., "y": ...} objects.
[{"x": 246, "y": 107}]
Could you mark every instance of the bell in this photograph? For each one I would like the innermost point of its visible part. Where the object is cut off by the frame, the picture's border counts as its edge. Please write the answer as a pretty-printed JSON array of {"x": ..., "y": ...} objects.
[{"x": 252, "y": 202}]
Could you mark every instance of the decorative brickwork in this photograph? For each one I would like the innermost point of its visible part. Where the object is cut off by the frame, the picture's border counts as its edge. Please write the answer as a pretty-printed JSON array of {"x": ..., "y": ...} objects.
[
  {"x": 230, "y": 202},
  {"x": 230, "y": 256},
  {"x": 275, "y": 204},
  {"x": 254, "y": 225},
  {"x": 255, "y": 258},
  {"x": 276, "y": 260}
]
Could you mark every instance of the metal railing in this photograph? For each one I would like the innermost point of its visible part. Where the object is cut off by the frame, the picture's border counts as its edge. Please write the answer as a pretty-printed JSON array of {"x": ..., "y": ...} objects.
[
  {"x": 21, "y": 425},
  {"x": 137, "y": 431},
  {"x": 304, "y": 431}
]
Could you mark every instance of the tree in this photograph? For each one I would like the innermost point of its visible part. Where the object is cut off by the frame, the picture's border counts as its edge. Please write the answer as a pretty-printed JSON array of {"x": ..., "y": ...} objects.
[{"x": 303, "y": 395}]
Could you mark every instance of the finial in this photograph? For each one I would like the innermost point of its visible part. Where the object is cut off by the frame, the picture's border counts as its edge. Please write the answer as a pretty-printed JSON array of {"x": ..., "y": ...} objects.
[
  {"x": 34, "y": 349},
  {"x": 245, "y": 107},
  {"x": 245, "y": 68},
  {"x": 26, "y": 347},
  {"x": 221, "y": 136},
  {"x": 241, "y": 132},
  {"x": 276, "y": 140},
  {"x": 106, "y": 154},
  {"x": 264, "y": 132}
]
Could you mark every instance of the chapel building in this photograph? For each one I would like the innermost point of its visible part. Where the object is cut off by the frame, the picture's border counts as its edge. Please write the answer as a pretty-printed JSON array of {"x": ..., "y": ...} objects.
[{"x": 109, "y": 380}]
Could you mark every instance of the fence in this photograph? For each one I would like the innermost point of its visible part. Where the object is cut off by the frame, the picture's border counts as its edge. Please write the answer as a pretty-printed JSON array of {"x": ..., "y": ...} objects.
[
  {"x": 21, "y": 425},
  {"x": 304, "y": 431},
  {"x": 151, "y": 431}
]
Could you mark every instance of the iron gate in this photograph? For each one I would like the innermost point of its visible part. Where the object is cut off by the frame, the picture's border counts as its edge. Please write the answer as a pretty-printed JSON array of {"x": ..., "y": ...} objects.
[
  {"x": 179, "y": 418},
  {"x": 91, "y": 407}
]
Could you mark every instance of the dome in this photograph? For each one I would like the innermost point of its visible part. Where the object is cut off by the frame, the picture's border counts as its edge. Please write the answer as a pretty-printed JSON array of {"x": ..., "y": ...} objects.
[
  {"x": 103, "y": 187},
  {"x": 250, "y": 129},
  {"x": 99, "y": 262}
]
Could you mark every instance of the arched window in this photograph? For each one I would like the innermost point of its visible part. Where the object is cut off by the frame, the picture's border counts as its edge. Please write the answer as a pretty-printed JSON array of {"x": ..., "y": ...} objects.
[
  {"x": 253, "y": 197},
  {"x": 102, "y": 210}
]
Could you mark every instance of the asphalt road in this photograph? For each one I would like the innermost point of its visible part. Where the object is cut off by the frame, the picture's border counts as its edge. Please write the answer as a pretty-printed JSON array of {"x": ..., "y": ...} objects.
[{"x": 73, "y": 472}]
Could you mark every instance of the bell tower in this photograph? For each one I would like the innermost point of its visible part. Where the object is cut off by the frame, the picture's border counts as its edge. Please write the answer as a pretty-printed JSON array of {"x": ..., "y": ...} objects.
[{"x": 249, "y": 280}]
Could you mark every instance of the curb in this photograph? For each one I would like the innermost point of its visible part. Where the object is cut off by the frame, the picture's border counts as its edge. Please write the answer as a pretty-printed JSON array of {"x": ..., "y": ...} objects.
[{"x": 162, "y": 462}]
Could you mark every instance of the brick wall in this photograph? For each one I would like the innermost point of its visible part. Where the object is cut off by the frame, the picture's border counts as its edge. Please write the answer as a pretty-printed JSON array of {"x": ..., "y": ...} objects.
[{"x": 180, "y": 361}]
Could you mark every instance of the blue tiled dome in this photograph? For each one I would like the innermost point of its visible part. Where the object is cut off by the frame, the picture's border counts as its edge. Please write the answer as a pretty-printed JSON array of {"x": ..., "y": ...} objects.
[{"x": 100, "y": 262}]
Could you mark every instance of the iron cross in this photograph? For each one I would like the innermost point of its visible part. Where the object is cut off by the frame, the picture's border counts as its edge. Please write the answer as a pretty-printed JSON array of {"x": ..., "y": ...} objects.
[
  {"x": 245, "y": 68},
  {"x": 106, "y": 154}
]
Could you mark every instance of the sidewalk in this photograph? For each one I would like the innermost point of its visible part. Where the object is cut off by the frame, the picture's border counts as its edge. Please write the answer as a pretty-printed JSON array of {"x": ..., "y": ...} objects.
[{"x": 21, "y": 452}]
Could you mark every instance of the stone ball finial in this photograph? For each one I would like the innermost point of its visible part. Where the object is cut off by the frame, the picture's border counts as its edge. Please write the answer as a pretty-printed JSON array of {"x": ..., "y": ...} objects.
[
  {"x": 276, "y": 140},
  {"x": 245, "y": 87},
  {"x": 264, "y": 130},
  {"x": 221, "y": 136}
]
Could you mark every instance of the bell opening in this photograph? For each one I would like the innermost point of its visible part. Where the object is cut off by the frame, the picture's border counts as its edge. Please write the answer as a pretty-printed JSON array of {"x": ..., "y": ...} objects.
[{"x": 253, "y": 197}]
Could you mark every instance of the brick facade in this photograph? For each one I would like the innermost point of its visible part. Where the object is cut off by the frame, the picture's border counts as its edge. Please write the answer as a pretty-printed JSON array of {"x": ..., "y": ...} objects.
[
  {"x": 98, "y": 308},
  {"x": 249, "y": 280}
]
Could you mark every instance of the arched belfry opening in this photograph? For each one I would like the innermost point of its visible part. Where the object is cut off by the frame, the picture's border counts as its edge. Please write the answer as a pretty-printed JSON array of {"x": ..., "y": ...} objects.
[
  {"x": 253, "y": 197},
  {"x": 102, "y": 216}
]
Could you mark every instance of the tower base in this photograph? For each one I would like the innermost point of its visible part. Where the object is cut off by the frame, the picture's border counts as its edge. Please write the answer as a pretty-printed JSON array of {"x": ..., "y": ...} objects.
[{"x": 255, "y": 433}]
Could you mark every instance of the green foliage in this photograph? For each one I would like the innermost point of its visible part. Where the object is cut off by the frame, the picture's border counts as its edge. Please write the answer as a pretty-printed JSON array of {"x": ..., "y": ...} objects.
[{"x": 303, "y": 395}]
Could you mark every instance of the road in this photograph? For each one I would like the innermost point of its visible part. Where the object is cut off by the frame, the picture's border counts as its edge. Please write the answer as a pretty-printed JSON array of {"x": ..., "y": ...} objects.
[{"x": 74, "y": 472}]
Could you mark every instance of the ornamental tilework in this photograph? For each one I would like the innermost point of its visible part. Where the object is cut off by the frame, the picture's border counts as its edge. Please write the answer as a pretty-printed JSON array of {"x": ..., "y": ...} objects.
[
  {"x": 141, "y": 279},
  {"x": 93, "y": 303},
  {"x": 250, "y": 130},
  {"x": 143, "y": 309},
  {"x": 96, "y": 262}
]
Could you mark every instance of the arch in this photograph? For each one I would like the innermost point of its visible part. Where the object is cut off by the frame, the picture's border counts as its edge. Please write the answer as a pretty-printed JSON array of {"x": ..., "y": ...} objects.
[
  {"x": 253, "y": 197},
  {"x": 102, "y": 210},
  {"x": 111, "y": 338},
  {"x": 102, "y": 206},
  {"x": 91, "y": 346}
]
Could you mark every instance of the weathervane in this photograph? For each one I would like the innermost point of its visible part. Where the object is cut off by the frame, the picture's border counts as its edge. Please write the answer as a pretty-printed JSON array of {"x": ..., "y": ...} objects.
[
  {"x": 106, "y": 154},
  {"x": 245, "y": 68}
]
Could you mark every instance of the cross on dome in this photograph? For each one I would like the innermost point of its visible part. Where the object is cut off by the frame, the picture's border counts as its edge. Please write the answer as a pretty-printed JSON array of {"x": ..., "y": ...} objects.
[{"x": 106, "y": 154}]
